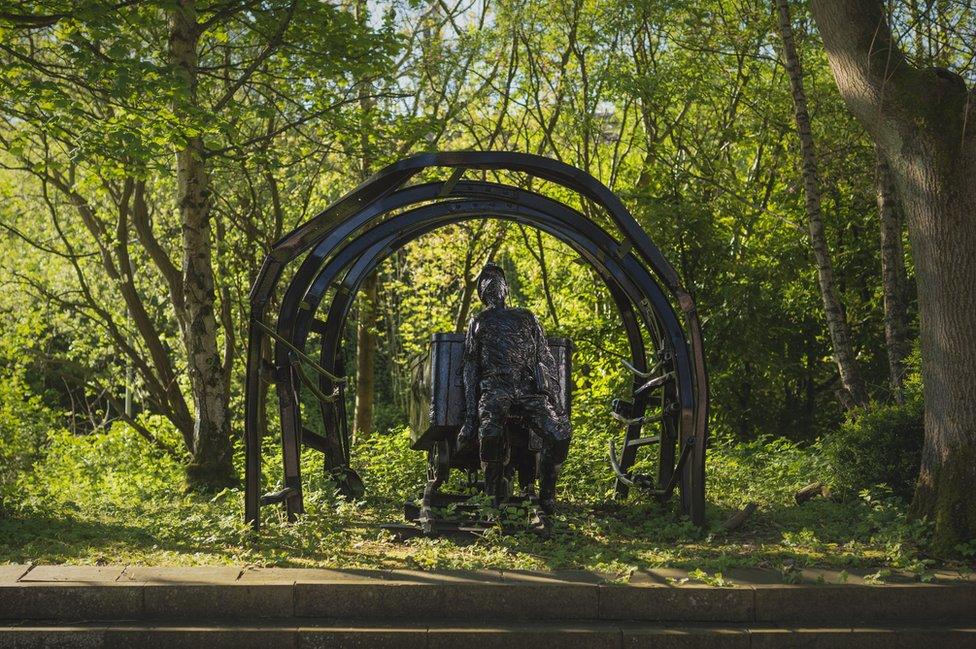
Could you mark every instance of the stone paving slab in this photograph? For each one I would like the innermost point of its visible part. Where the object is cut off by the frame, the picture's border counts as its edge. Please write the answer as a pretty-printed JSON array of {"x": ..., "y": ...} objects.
[
  {"x": 87, "y": 592},
  {"x": 52, "y": 637},
  {"x": 325, "y": 634},
  {"x": 657, "y": 577},
  {"x": 181, "y": 575},
  {"x": 556, "y": 577},
  {"x": 292, "y": 575},
  {"x": 644, "y": 637},
  {"x": 202, "y": 637},
  {"x": 832, "y": 603},
  {"x": 217, "y": 601},
  {"x": 806, "y": 576},
  {"x": 524, "y": 637},
  {"x": 803, "y": 576},
  {"x": 691, "y": 602},
  {"x": 393, "y": 600},
  {"x": 69, "y": 601},
  {"x": 78, "y": 574},
  {"x": 412, "y": 637},
  {"x": 11, "y": 572},
  {"x": 671, "y": 577},
  {"x": 955, "y": 575},
  {"x": 862, "y": 638},
  {"x": 471, "y": 601},
  {"x": 446, "y": 576},
  {"x": 523, "y": 601}
]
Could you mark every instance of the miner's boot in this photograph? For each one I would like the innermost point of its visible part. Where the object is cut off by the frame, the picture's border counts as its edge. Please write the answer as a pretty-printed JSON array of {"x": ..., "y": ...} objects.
[
  {"x": 495, "y": 483},
  {"x": 550, "y": 465},
  {"x": 548, "y": 475}
]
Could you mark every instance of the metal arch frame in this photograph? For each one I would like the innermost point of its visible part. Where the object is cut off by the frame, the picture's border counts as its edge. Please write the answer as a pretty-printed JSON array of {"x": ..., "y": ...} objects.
[
  {"x": 364, "y": 248},
  {"x": 568, "y": 225},
  {"x": 365, "y": 253},
  {"x": 329, "y": 233}
]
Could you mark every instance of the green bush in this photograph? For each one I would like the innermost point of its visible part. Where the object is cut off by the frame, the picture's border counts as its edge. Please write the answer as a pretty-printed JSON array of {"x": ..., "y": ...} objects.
[
  {"x": 767, "y": 470},
  {"x": 389, "y": 467},
  {"x": 112, "y": 466},
  {"x": 880, "y": 444},
  {"x": 24, "y": 425}
]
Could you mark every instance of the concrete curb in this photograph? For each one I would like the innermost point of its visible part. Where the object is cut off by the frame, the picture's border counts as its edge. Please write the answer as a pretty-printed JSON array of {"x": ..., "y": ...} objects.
[
  {"x": 228, "y": 593},
  {"x": 318, "y": 634}
]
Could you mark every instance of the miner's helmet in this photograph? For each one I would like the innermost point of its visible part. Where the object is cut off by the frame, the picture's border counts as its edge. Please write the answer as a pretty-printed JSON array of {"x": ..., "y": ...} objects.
[{"x": 490, "y": 270}]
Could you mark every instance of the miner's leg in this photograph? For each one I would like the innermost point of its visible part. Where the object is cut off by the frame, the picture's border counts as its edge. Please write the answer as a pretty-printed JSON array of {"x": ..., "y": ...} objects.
[
  {"x": 493, "y": 410},
  {"x": 555, "y": 433},
  {"x": 550, "y": 465},
  {"x": 438, "y": 470},
  {"x": 528, "y": 469}
]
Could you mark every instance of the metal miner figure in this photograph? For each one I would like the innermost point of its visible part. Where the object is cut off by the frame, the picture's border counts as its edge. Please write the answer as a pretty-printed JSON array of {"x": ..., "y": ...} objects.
[{"x": 509, "y": 370}]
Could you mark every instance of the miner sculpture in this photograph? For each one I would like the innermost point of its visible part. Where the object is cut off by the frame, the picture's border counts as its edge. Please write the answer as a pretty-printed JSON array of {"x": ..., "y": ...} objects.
[{"x": 509, "y": 371}]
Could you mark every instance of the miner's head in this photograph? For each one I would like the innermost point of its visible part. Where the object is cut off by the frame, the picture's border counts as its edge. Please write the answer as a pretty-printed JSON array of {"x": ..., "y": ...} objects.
[{"x": 492, "y": 287}]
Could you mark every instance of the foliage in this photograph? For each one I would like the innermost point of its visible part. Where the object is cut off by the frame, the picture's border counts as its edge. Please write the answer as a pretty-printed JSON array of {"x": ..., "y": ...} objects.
[
  {"x": 880, "y": 444},
  {"x": 113, "y": 465},
  {"x": 25, "y": 415},
  {"x": 110, "y": 497},
  {"x": 766, "y": 469},
  {"x": 888, "y": 524},
  {"x": 681, "y": 108},
  {"x": 24, "y": 424},
  {"x": 389, "y": 466}
]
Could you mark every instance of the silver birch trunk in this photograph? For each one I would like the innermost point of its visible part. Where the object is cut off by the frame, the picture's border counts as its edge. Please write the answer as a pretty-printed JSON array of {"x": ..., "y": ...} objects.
[{"x": 840, "y": 333}]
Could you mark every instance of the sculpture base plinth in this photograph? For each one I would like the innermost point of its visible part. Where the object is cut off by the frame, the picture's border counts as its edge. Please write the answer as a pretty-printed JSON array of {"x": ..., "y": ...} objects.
[{"x": 468, "y": 517}]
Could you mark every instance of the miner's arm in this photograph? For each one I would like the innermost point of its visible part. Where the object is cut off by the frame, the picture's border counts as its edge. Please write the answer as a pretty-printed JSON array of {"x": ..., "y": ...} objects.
[
  {"x": 546, "y": 362},
  {"x": 471, "y": 376}
]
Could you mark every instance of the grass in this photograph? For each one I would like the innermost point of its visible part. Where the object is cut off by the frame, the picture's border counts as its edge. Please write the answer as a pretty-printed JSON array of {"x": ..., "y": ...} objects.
[{"x": 108, "y": 498}]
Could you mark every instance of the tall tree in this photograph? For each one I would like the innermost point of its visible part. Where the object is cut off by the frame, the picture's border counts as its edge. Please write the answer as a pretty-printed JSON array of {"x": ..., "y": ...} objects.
[
  {"x": 923, "y": 122},
  {"x": 212, "y": 463},
  {"x": 366, "y": 323},
  {"x": 215, "y": 84},
  {"x": 837, "y": 324},
  {"x": 893, "y": 279}
]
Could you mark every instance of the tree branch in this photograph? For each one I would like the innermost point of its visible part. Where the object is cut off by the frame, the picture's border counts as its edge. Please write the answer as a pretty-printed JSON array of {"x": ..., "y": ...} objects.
[{"x": 876, "y": 80}]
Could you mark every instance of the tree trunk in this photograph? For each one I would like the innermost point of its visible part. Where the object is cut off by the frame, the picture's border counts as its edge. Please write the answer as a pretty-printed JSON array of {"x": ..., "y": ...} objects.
[
  {"x": 893, "y": 279},
  {"x": 366, "y": 327},
  {"x": 922, "y": 120},
  {"x": 211, "y": 466},
  {"x": 467, "y": 295},
  {"x": 944, "y": 244},
  {"x": 854, "y": 390},
  {"x": 366, "y": 356}
]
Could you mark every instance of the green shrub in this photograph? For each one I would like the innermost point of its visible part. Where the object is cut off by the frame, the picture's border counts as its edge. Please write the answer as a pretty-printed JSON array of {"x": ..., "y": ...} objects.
[
  {"x": 766, "y": 470},
  {"x": 389, "y": 467},
  {"x": 880, "y": 444},
  {"x": 111, "y": 466},
  {"x": 24, "y": 424}
]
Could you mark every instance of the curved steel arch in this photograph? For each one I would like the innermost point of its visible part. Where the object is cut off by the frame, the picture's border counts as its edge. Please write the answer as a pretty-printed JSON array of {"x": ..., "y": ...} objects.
[
  {"x": 363, "y": 253},
  {"x": 331, "y": 228},
  {"x": 340, "y": 306},
  {"x": 565, "y": 219},
  {"x": 362, "y": 247}
]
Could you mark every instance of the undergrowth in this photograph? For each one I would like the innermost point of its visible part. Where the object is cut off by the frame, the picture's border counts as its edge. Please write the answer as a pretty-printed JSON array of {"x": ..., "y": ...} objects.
[{"x": 111, "y": 498}]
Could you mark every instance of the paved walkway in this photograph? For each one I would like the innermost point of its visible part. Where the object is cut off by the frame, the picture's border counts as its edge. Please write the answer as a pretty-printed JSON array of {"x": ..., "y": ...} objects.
[
  {"x": 239, "y": 607},
  {"x": 742, "y": 577}
]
